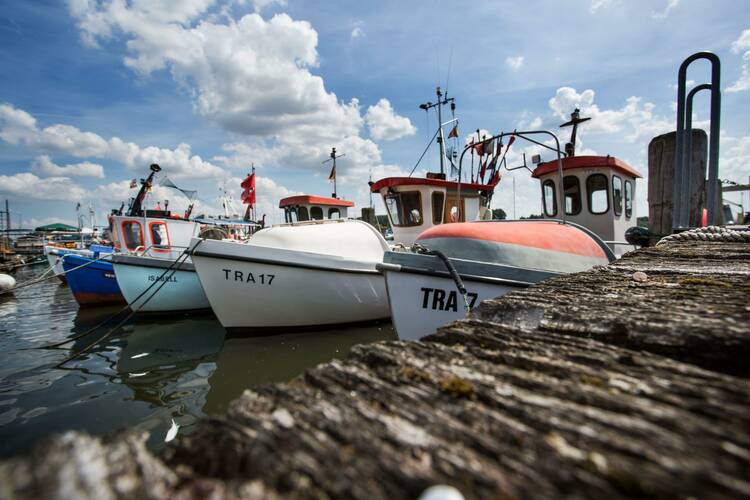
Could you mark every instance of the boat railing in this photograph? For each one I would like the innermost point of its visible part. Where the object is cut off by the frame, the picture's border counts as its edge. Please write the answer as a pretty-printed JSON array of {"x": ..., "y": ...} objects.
[{"x": 521, "y": 135}]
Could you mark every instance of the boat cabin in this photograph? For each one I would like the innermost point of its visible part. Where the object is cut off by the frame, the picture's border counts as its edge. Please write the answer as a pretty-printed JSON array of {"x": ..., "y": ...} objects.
[
  {"x": 307, "y": 207},
  {"x": 155, "y": 233},
  {"x": 415, "y": 204},
  {"x": 599, "y": 194}
]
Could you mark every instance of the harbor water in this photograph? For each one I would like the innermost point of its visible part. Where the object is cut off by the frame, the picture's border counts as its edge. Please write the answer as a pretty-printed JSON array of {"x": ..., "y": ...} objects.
[{"x": 150, "y": 371}]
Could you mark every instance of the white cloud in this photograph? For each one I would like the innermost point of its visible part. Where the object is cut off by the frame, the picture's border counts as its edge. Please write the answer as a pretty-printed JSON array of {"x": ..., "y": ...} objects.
[
  {"x": 384, "y": 124},
  {"x": 742, "y": 44},
  {"x": 671, "y": 4},
  {"x": 514, "y": 63},
  {"x": 259, "y": 5},
  {"x": 43, "y": 165},
  {"x": 27, "y": 185},
  {"x": 636, "y": 120},
  {"x": 19, "y": 127},
  {"x": 357, "y": 31},
  {"x": 599, "y": 4}
]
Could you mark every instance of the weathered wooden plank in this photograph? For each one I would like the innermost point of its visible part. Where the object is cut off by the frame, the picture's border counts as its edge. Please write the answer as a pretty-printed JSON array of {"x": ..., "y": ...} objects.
[{"x": 537, "y": 394}]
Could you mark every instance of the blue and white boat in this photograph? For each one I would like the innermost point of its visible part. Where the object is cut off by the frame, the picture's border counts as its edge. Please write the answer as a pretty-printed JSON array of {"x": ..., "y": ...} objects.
[{"x": 91, "y": 280}]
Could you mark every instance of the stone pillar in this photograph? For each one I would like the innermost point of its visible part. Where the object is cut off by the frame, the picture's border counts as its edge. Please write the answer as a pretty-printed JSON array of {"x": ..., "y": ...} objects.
[{"x": 368, "y": 215}]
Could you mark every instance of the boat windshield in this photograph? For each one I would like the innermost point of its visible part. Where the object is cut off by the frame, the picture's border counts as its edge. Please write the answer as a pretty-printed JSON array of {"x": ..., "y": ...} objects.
[{"x": 405, "y": 209}]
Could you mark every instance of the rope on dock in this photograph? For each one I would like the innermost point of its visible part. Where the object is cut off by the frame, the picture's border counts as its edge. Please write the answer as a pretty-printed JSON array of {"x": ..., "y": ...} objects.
[{"x": 710, "y": 233}]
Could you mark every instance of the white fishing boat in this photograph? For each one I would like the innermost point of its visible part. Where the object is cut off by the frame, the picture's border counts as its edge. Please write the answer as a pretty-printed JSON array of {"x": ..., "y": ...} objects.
[
  {"x": 300, "y": 275},
  {"x": 452, "y": 267},
  {"x": 148, "y": 244}
]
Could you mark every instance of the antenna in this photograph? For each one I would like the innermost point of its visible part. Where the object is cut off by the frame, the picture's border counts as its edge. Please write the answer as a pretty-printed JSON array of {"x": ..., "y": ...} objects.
[
  {"x": 332, "y": 175},
  {"x": 575, "y": 119}
]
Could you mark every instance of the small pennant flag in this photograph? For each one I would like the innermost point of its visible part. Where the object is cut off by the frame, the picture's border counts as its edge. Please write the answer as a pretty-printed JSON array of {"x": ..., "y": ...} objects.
[
  {"x": 332, "y": 175},
  {"x": 453, "y": 132}
]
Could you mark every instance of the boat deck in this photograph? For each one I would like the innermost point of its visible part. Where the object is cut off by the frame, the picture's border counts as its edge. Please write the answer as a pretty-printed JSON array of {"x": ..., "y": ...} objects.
[{"x": 626, "y": 380}]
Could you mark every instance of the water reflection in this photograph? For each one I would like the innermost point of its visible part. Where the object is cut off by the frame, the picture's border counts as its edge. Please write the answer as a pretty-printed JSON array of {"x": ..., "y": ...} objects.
[{"x": 149, "y": 371}]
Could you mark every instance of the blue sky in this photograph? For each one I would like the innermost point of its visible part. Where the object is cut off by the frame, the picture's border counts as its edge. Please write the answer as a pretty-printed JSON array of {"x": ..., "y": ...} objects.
[{"x": 91, "y": 92}]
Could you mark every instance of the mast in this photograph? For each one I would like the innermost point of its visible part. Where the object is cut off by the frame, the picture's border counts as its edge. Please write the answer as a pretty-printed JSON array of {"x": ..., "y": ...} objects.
[
  {"x": 441, "y": 101},
  {"x": 575, "y": 119},
  {"x": 332, "y": 175}
]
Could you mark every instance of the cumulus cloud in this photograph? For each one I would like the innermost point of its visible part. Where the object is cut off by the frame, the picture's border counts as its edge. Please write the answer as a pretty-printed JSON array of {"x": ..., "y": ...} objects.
[
  {"x": 514, "y": 62},
  {"x": 742, "y": 44},
  {"x": 28, "y": 185},
  {"x": 19, "y": 127},
  {"x": 386, "y": 125},
  {"x": 663, "y": 14},
  {"x": 252, "y": 76},
  {"x": 636, "y": 120},
  {"x": 43, "y": 165}
]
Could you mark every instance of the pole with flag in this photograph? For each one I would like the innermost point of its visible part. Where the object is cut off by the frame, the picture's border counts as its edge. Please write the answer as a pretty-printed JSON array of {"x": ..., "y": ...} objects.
[
  {"x": 332, "y": 175},
  {"x": 248, "y": 194}
]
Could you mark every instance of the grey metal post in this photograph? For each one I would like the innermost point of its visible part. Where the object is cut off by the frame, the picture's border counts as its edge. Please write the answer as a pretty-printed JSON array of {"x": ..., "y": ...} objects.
[
  {"x": 685, "y": 207},
  {"x": 681, "y": 183}
]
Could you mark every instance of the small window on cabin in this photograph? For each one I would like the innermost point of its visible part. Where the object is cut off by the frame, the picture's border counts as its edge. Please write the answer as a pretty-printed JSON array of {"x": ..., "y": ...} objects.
[
  {"x": 617, "y": 194},
  {"x": 437, "y": 207},
  {"x": 334, "y": 213},
  {"x": 159, "y": 235},
  {"x": 405, "y": 209},
  {"x": 133, "y": 234},
  {"x": 572, "y": 195},
  {"x": 316, "y": 213},
  {"x": 628, "y": 199},
  {"x": 290, "y": 214},
  {"x": 302, "y": 214},
  {"x": 549, "y": 198},
  {"x": 598, "y": 197}
]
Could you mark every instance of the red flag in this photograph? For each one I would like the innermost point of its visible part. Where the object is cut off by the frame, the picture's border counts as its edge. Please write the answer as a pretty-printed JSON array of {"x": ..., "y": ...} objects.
[
  {"x": 512, "y": 140},
  {"x": 479, "y": 148},
  {"x": 496, "y": 178},
  {"x": 248, "y": 193},
  {"x": 453, "y": 132}
]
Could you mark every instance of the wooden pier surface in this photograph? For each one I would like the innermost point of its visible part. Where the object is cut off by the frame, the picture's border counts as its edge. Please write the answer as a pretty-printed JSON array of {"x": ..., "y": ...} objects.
[{"x": 629, "y": 380}]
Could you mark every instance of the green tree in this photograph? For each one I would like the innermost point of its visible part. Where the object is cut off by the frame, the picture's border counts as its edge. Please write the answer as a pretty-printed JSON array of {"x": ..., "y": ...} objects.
[{"x": 499, "y": 214}]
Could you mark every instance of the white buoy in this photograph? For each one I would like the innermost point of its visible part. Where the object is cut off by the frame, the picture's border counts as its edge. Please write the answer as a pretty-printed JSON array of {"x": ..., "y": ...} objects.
[{"x": 7, "y": 282}]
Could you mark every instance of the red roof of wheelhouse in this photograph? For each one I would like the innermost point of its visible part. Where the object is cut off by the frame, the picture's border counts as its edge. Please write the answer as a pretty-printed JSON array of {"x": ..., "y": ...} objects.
[
  {"x": 305, "y": 199},
  {"x": 573, "y": 162}
]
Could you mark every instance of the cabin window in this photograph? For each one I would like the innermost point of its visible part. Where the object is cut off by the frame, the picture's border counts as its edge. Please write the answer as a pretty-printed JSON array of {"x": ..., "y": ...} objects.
[
  {"x": 598, "y": 194},
  {"x": 334, "y": 213},
  {"x": 302, "y": 214},
  {"x": 290, "y": 214},
  {"x": 437, "y": 207},
  {"x": 453, "y": 212},
  {"x": 159, "y": 234},
  {"x": 549, "y": 198},
  {"x": 628, "y": 199},
  {"x": 133, "y": 234},
  {"x": 405, "y": 208},
  {"x": 572, "y": 195},
  {"x": 316, "y": 213},
  {"x": 617, "y": 194}
]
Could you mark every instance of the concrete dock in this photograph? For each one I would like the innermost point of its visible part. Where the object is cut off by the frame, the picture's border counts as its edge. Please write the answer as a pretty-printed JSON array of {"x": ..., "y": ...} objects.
[{"x": 626, "y": 380}]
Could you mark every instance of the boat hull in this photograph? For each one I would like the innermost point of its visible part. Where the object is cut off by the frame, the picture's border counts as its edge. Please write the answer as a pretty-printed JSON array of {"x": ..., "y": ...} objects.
[
  {"x": 94, "y": 284},
  {"x": 176, "y": 289},
  {"x": 423, "y": 297},
  {"x": 262, "y": 295}
]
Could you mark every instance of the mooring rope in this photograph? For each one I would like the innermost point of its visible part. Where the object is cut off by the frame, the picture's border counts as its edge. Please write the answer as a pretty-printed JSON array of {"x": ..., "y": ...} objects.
[
  {"x": 710, "y": 233},
  {"x": 183, "y": 256},
  {"x": 42, "y": 278},
  {"x": 451, "y": 270}
]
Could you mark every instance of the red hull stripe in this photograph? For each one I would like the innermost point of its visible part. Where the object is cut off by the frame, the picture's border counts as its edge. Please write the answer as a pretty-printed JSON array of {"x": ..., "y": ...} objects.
[
  {"x": 587, "y": 162},
  {"x": 545, "y": 235},
  {"x": 314, "y": 200},
  {"x": 421, "y": 181}
]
